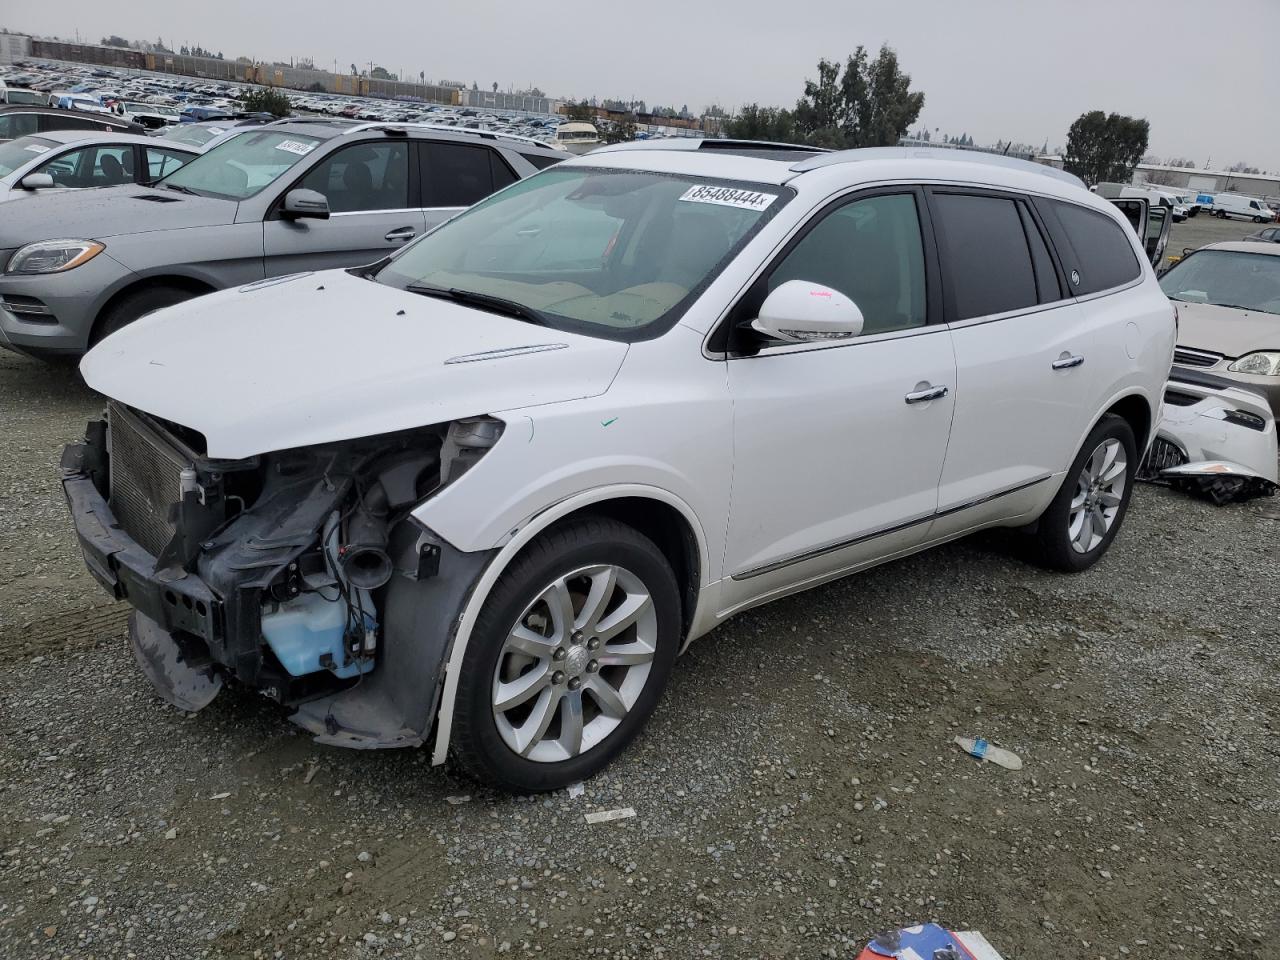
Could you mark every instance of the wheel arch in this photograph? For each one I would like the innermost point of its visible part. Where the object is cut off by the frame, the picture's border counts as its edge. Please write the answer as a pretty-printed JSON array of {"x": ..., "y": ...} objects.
[
  {"x": 657, "y": 513},
  {"x": 1134, "y": 409},
  {"x": 192, "y": 285}
]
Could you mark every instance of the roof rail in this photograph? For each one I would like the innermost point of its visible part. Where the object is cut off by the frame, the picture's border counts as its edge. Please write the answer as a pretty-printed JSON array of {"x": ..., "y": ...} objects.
[
  {"x": 483, "y": 134},
  {"x": 332, "y": 121},
  {"x": 923, "y": 153},
  {"x": 709, "y": 143},
  {"x": 727, "y": 144}
]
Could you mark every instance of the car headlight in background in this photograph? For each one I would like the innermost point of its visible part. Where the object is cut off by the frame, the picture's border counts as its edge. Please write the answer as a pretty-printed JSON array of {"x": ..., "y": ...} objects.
[
  {"x": 53, "y": 256},
  {"x": 1264, "y": 364}
]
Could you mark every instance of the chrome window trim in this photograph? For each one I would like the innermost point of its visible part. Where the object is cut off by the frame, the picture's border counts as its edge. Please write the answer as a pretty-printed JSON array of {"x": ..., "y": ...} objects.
[
  {"x": 786, "y": 349},
  {"x": 365, "y": 213}
]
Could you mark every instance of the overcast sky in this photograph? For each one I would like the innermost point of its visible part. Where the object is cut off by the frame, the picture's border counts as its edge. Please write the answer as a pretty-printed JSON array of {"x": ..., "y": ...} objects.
[{"x": 996, "y": 69}]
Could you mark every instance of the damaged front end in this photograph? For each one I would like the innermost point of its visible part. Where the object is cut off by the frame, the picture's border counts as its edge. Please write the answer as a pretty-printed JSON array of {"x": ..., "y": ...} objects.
[
  {"x": 1217, "y": 440},
  {"x": 300, "y": 573}
]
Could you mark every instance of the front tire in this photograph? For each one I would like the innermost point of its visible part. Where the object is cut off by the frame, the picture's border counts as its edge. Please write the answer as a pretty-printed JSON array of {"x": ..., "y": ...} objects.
[
  {"x": 568, "y": 658},
  {"x": 1089, "y": 509},
  {"x": 135, "y": 306}
]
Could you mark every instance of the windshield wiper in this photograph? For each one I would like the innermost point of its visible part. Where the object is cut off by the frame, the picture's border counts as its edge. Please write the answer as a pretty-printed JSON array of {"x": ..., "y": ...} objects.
[
  {"x": 181, "y": 189},
  {"x": 511, "y": 308}
]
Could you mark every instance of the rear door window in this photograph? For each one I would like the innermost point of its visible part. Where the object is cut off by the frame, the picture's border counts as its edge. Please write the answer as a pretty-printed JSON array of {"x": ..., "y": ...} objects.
[
  {"x": 14, "y": 125},
  {"x": 455, "y": 174},
  {"x": 1095, "y": 251},
  {"x": 986, "y": 257},
  {"x": 503, "y": 176}
]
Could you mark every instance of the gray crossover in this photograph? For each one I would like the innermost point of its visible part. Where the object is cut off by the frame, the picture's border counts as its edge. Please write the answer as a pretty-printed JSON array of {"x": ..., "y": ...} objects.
[{"x": 277, "y": 199}]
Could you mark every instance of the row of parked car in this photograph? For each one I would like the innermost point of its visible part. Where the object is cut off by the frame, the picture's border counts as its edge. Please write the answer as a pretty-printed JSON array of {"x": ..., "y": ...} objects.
[
  {"x": 263, "y": 201},
  {"x": 159, "y": 100}
]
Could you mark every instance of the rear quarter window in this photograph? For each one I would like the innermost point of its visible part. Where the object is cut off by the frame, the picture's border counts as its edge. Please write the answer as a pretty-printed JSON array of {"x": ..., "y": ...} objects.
[
  {"x": 1091, "y": 246},
  {"x": 541, "y": 161}
]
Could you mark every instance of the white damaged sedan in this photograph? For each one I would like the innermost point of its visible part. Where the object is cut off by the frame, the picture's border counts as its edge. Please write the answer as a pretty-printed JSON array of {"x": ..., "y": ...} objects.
[{"x": 479, "y": 495}]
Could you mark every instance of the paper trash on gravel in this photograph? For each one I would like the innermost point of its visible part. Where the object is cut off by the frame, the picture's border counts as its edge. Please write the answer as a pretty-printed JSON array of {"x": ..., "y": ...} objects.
[
  {"x": 984, "y": 751},
  {"x": 458, "y": 800},
  {"x": 604, "y": 816},
  {"x": 576, "y": 790},
  {"x": 928, "y": 941}
]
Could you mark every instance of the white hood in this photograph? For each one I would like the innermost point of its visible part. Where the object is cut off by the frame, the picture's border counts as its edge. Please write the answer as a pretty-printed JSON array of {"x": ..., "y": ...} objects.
[{"x": 320, "y": 357}]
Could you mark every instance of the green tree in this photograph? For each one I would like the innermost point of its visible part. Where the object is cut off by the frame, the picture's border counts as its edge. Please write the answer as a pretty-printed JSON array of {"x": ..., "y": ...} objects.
[
  {"x": 754, "y": 122},
  {"x": 266, "y": 100},
  {"x": 620, "y": 131},
  {"x": 381, "y": 73},
  {"x": 1102, "y": 147},
  {"x": 114, "y": 41},
  {"x": 870, "y": 105},
  {"x": 579, "y": 111}
]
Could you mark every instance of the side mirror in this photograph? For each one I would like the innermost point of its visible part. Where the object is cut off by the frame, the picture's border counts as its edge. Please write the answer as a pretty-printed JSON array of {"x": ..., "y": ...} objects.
[
  {"x": 36, "y": 181},
  {"x": 305, "y": 205},
  {"x": 804, "y": 312}
]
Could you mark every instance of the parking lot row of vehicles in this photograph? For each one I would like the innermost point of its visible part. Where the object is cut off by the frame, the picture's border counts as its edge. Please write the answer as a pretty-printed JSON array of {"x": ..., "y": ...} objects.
[{"x": 160, "y": 100}]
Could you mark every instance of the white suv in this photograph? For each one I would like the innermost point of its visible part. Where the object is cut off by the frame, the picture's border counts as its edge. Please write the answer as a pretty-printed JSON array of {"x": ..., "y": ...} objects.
[{"x": 482, "y": 492}]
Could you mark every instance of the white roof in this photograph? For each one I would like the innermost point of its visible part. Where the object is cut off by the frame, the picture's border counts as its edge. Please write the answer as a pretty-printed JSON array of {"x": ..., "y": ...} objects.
[{"x": 847, "y": 167}]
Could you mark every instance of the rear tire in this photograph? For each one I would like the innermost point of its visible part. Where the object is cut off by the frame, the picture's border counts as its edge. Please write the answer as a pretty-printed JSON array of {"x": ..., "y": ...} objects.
[
  {"x": 549, "y": 695},
  {"x": 1078, "y": 526},
  {"x": 134, "y": 306}
]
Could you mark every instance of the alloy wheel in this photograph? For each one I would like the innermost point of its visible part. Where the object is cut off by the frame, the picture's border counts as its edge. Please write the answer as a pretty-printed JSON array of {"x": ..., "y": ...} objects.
[
  {"x": 1100, "y": 491},
  {"x": 574, "y": 663}
]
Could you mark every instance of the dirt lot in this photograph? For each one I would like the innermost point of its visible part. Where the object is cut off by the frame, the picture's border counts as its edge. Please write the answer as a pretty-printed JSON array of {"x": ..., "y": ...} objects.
[
  {"x": 1202, "y": 229},
  {"x": 796, "y": 792}
]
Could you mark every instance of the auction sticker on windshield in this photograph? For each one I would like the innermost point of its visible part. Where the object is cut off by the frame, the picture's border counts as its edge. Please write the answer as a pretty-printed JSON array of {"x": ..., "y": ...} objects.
[
  {"x": 293, "y": 146},
  {"x": 729, "y": 197},
  {"x": 36, "y": 148}
]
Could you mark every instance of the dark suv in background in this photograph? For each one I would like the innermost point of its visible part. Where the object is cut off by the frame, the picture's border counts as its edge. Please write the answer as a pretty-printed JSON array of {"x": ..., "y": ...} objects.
[
  {"x": 23, "y": 121},
  {"x": 286, "y": 197}
]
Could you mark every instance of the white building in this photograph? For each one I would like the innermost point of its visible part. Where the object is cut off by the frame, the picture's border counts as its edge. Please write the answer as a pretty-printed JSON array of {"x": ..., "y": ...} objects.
[{"x": 14, "y": 47}]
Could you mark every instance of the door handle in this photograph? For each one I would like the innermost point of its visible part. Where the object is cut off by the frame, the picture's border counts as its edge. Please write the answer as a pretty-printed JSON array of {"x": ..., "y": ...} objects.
[
  {"x": 1066, "y": 362},
  {"x": 926, "y": 394},
  {"x": 402, "y": 233}
]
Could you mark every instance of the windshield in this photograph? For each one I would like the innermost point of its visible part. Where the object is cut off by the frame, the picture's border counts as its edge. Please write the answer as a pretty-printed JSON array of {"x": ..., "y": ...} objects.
[
  {"x": 1228, "y": 278},
  {"x": 614, "y": 254},
  {"x": 18, "y": 153},
  {"x": 151, "y": 108},
  {"x": 192, "y": 133},
  {"x": 242, "y": 166}
]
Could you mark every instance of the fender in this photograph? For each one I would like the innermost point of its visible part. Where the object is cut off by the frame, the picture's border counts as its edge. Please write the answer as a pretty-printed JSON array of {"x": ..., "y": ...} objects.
[
  {"x": 1123, "y": 393},
  {"x": 531, "y": 528}
]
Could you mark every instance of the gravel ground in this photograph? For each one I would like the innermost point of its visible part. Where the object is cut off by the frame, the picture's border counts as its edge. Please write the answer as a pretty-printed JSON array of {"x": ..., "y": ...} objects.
[
  {"x": 1203, "y": 229},
  {"x": 796, "y": 792}
]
